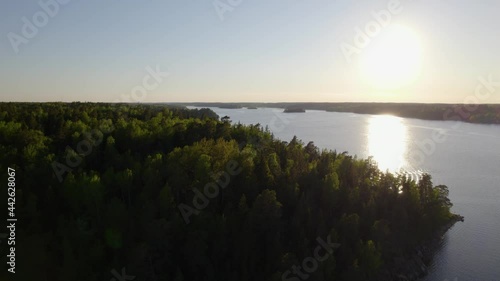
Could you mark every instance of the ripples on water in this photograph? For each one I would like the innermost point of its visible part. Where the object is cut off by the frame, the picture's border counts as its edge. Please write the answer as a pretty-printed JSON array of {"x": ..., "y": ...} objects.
[{"x": 388, "y": 143}]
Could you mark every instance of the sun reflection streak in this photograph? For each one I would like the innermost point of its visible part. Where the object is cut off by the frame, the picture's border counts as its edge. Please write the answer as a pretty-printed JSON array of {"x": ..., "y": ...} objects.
[{"x": 387, "y": 142}]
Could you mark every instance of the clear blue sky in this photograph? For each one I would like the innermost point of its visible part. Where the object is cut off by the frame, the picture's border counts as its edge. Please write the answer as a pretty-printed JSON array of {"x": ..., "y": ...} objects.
[{"x": 261, "y": 50}]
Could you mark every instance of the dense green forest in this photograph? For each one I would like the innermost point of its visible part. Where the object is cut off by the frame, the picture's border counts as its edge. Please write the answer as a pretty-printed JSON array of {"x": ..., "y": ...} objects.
[
  {"x": 163, "y": 193},
  {"x": 471, "y": 113}
]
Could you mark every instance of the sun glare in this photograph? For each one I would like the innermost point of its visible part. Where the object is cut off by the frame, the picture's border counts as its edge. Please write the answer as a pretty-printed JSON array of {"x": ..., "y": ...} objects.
[
  {"x": 393, "y": 59},
  {"x": 387, "y": 140}
]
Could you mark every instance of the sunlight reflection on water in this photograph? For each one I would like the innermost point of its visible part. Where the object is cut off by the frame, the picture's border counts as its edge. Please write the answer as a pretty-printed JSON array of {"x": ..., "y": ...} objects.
[{"x": 388, "y": 142}]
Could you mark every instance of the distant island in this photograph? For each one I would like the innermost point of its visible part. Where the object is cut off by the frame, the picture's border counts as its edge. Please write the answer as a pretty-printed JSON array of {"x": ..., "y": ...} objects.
[
  {"x": 294, "y": 109},
  {"x": 471, "y": 113},
  {"x": 251, "y": 107}
]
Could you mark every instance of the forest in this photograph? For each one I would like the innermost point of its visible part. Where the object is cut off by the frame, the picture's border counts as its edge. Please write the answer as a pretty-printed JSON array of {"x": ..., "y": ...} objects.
[{"x": 155, "y": 192}]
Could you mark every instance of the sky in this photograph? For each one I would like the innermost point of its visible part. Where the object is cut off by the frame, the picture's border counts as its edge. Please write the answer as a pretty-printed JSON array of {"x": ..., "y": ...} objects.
[{"x": 250, "y": 50}]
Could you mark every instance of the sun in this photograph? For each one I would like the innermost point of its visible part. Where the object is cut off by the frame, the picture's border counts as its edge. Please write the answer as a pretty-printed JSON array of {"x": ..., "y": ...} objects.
[{"x": 393, "y": 59}]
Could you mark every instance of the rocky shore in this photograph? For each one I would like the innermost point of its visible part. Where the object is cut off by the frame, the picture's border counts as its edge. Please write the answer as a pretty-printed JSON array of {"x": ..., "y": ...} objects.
[{"x": 414, "y": 265}]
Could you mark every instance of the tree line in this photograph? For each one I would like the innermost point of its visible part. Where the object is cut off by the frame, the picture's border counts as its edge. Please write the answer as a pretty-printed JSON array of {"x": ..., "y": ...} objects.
[{"x": 125, "y": 204}]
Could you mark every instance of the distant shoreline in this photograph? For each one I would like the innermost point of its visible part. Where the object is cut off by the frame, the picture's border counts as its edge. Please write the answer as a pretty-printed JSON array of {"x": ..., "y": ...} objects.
[
  {"x": 469, "y": 113},
  {"x": 487, "y": 114}
]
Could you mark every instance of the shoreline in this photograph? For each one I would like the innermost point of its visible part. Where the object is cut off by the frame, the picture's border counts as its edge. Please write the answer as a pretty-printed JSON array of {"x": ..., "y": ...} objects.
[
  {"x": 488, "y": 114},
  {"x": 415, "y": 265}
]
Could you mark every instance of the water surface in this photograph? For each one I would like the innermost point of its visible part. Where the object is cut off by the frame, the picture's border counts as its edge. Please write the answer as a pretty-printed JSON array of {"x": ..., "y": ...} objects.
[{"x": 465, "y": 157}]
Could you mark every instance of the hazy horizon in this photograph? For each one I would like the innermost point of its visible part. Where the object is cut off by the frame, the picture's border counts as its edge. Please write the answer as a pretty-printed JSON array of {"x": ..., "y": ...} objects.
[{"x": 235, "y": 51}]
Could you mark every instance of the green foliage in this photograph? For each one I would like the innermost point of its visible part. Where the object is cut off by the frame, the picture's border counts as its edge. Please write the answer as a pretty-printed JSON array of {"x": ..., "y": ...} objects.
[{"x": 117, "y": 206}]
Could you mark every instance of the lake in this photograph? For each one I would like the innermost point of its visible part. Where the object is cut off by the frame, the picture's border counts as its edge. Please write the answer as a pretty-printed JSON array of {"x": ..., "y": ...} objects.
[{"x": 465, "y": 157}]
